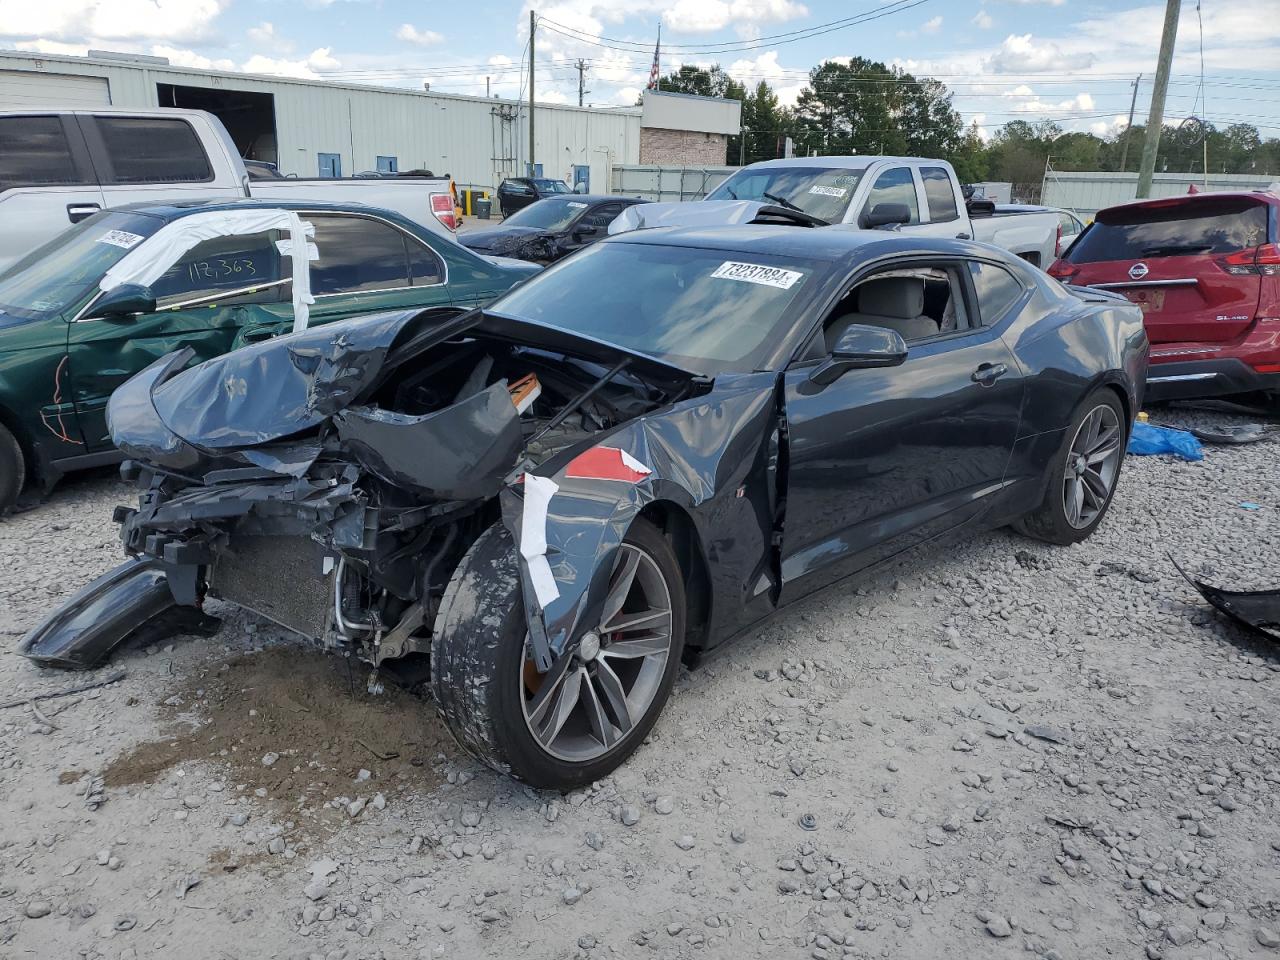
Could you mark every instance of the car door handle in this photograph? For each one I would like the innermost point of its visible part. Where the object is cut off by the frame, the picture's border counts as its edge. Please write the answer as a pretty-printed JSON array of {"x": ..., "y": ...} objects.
[
  {"x": 963, "y": 236},
  {"x": 80, "y": 211},
  {"x": 989, "y": 373}
]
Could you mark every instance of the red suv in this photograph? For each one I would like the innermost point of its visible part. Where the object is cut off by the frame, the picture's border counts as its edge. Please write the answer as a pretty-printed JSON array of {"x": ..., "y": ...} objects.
[{"x": 1205, "y": 269}]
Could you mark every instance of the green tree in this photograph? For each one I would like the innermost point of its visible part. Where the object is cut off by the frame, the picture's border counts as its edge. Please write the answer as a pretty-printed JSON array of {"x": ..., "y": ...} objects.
[{"x": 865, "y": 106}]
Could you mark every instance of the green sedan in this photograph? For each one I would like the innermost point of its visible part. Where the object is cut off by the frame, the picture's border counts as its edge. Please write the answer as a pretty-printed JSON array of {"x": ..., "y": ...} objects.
[{"x": 94, "y": 306}]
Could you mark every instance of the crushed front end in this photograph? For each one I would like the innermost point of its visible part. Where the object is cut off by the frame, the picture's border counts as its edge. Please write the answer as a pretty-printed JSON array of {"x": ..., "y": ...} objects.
[{"x": 331, "y": 480}]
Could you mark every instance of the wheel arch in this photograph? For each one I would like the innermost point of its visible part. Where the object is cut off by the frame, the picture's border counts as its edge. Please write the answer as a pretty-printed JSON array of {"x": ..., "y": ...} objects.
[{"x": 678, "y": 526}]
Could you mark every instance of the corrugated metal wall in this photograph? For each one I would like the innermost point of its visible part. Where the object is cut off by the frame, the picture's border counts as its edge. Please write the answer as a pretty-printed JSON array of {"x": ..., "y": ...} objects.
[
  {"x": 667, "y": 183},
  {"x": 1087, "y": 193},
  {"x": 465, "y": 136}
]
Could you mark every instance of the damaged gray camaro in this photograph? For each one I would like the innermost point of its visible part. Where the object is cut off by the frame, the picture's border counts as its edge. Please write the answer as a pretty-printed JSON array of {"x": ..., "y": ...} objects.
[{"x": 538, "y": 510}]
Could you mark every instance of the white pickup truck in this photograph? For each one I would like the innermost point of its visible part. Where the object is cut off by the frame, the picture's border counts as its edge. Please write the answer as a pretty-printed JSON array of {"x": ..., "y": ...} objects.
[
  {"x": 913, "y": 194},
  {"x": 58, "y": 167}
]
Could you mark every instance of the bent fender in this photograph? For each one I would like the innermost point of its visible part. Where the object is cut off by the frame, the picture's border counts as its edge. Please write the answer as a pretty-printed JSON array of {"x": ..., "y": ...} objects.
[{"x": 87, "y": 627}]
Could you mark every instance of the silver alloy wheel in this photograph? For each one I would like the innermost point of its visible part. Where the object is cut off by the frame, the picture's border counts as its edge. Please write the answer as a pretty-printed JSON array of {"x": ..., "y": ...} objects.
[
  {"x": 594, "y": 695},
  {"x": 1092, "y": 465}
]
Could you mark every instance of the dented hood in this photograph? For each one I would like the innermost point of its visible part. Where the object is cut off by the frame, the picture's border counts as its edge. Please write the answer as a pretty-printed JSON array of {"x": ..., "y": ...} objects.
[{"x": 280, "y": 388}]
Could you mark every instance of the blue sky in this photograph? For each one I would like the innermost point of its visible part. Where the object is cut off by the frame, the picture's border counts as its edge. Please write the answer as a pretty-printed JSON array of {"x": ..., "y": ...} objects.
[{"x": 1004, "y": 59}]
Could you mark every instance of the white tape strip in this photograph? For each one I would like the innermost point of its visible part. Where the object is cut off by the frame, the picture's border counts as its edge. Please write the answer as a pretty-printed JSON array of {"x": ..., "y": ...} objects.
[{"x": 538, "y": 492}]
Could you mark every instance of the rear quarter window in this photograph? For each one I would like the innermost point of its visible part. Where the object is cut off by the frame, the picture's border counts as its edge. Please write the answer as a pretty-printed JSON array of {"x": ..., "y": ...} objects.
[
  {"x": 1180, "y": 230},
  {"x": 152, "y": 150}
]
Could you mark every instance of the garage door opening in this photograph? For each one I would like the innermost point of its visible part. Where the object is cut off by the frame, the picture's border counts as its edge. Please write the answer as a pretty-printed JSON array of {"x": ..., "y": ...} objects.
[{"x": 249, "y": 117}]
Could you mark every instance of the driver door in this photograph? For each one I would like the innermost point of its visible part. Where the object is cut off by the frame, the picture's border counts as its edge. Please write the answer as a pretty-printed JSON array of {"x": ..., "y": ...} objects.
[{"x": 885, "y": 458}]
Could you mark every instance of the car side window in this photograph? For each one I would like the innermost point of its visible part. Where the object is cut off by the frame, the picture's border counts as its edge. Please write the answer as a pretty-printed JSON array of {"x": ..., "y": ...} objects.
[
  {"x": 226, "y": 271},
  {"x": 939, "y": 194},
  {"x": 919, "y": 302},
  {"x": 34, "y": 151},
  {"x": 895, "y": 185},
  {"x": 519, "y": 189},
  {"x": 425, "y": 268},
  {"x": 602, "y": 216},
  {"x": 996, "y": 288},
  {"x": 357, "y": 254},
  {"x": 152, "y": 150}
]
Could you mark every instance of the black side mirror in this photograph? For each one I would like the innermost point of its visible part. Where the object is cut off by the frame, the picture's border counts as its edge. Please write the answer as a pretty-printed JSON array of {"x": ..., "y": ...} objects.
[
  {"x": 122, "y": 302},
  {"x": 859, "y": 347},
  {"x": 584, "y": 230},
  {"x": 884, "y": 214}
]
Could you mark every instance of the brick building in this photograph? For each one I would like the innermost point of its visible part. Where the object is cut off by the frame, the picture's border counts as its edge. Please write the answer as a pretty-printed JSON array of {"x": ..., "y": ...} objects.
[{"x": 680, "y": 129}]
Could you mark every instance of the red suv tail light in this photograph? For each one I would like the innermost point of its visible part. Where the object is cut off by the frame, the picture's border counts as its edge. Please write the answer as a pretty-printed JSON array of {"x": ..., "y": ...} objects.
[
  {"x": 442, "y": 207},
  {"x": 1062, "y": 270},
  {"x": 1257, "y": 261}
]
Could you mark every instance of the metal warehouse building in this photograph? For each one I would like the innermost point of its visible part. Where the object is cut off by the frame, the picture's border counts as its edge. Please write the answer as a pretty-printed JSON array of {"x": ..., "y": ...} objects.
[{"x": 314, "y": 128}]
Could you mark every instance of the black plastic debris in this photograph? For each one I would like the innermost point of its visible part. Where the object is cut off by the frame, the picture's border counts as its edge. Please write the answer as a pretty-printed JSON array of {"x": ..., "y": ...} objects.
[
  {"x": 1259, "y": 610},
  {"x": 1233, "y": 433}
]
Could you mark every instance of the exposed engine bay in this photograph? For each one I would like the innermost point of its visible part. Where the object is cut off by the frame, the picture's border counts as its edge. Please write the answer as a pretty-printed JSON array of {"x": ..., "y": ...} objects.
[{"x": 349, "y": 532}]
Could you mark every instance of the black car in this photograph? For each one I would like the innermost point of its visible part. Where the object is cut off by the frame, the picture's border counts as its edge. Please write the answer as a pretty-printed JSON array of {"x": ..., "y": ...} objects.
[
  {"x": 550, "y": 229},
  {"x": 541, "y": 508},
  {"x": 516, "y": 193}
]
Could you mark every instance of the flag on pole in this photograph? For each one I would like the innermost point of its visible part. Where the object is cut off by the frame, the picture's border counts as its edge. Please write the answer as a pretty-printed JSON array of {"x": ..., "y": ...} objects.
[{"x": 655, "y": 70}]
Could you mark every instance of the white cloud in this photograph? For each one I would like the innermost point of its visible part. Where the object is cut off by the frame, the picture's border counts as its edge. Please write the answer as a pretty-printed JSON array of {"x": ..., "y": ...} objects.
[
  {"x": 189, "y": 58},
  {"x": 706, "y": 16},
  {"x": 1108, "y": 128},
  {"x": 782, "y": 79},
  {"x": 423, "y": 38},
  {"x": 982, "y": 20},
  {"x": 1022, "y": 54},
  {"x": 317, "y": 62},
  {"x": 53, "y": 47},
  {"x": 71, "y": 20},
  {"x": 932, "y": 25},
  {"x": 264, "y": 33},
  {"x": 1038, "y": 3}
]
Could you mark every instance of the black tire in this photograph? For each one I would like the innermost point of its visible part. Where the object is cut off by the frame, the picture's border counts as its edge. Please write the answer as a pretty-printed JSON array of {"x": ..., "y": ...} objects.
[
  {"x": 1049, "y": 522},
  {"x": 476, "y": 662},
  {"x": 13, "y": 470}
]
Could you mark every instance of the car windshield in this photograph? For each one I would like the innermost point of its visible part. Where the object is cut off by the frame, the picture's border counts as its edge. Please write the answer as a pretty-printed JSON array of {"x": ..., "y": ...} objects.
[
  {"x": 1182, "y": 229},
  {"x": 707, "y": 311},
  {"x": 54, "y": 278},
  {"x": 552, "y": 214},
  {"x": 551, "y": 186},
  {"x": 822, "y": 192}
]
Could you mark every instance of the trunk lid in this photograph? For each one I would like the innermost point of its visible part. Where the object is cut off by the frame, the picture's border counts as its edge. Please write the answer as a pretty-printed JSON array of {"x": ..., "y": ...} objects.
[{"x": 1185, "y": 261}]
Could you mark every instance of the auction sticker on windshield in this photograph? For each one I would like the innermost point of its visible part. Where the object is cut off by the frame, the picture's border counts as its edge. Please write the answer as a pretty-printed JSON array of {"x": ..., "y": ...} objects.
[
  {"x": 822, "y": 191},
  {"x": 120, "y": 238},
  {"x": 757, "y": 273}
]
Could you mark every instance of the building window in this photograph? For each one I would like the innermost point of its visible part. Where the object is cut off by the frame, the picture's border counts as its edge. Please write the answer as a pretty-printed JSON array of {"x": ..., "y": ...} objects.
[
  {"x": 330, "y": 164},
  {"x": 388, "y": 165}
]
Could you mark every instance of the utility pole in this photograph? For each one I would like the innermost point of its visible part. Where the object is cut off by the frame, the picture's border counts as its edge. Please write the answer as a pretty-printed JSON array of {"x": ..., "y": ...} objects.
[
  {"x": 1155, "y": 116},
  {"x": 1124, "y": 149},
  {"x": 742, "y": 148},
  {"x": 486, "y": 88},
  {"x": 582, "y": 68},
  {"x": 533, "y": 25}
]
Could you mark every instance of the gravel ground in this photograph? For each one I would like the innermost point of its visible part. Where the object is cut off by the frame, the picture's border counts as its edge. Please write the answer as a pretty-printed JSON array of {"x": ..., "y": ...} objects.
[{"x": 997, "y": 749}]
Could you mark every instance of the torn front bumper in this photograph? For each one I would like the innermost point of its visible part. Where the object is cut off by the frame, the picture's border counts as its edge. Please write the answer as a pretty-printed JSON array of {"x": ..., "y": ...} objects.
[{"x": 100, "y": 616}]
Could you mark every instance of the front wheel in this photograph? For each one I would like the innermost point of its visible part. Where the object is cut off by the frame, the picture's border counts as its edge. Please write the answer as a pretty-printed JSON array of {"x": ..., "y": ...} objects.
[
  {"x": 13, "y": 469},
  {"x": 1083, "y": 473},
  {"x": 582, "y": 718}
]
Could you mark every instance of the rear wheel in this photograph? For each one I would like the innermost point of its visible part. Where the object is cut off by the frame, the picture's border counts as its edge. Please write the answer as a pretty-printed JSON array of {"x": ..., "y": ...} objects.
[
  {"x": 13, "y": 469},
  {"x": 583, "y": 717},
  {"x": 1083, "y": 473}
]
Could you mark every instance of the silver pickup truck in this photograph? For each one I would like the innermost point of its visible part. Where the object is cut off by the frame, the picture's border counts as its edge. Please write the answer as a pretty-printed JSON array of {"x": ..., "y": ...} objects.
[
  {"x": 917, "y": 195},
  {"x": 58, "y": 167}
]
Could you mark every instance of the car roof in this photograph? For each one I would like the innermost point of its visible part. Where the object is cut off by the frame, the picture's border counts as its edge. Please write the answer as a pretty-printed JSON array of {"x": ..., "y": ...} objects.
[
  {"x": 860, "y": 162},
  {"x": 593, "y": 198},
  {"x": 830, "y": 244},
  {"x": 1190, "y": 199},
  {"x": 176, "y": 210}
]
